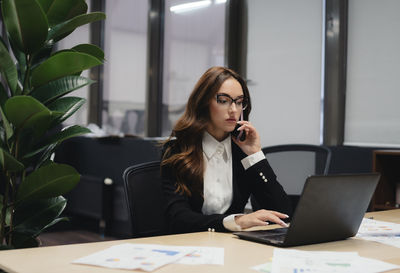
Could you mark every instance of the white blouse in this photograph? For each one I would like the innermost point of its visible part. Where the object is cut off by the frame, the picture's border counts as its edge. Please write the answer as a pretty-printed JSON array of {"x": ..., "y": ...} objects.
[{"x": 218, "y": 190}]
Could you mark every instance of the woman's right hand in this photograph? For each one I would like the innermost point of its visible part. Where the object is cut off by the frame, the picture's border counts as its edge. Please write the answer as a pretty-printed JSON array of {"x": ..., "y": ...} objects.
[{"x": 260, "y": 218}]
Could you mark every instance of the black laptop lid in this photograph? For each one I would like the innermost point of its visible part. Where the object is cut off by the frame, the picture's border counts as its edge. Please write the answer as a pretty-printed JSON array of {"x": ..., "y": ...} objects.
[{"x": 331, "y": 208}]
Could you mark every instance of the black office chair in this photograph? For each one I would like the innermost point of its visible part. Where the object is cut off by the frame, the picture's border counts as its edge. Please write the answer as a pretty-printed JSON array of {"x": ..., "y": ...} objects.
[
  {"x": 293, "y": 163},
  {"x": 145, "y": 199}
]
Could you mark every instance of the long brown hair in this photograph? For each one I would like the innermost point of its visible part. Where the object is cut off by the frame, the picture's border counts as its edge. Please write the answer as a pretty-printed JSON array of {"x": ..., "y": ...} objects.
[{"x": 185, "y": 155}]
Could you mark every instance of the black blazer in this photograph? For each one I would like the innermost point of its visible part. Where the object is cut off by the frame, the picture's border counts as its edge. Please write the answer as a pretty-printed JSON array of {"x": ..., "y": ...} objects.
[{"x": 184, "y": 213}]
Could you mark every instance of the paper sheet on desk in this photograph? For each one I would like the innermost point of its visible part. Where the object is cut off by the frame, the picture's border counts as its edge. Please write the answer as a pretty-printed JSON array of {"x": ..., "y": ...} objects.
[
  {"x": 290, "y": 260},
  {"x": 146, "y": 257},
  {"x": 379, "y": 231},
  {"x": 371, "y": 227},
  {"x": 149, "y": 257},
  {"x": 204, "y": 255},
  {"x": 387, "y": 240}
]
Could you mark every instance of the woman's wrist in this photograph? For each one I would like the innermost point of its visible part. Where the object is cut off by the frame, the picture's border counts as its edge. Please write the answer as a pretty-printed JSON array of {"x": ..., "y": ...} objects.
[
  {"x": 237, "y": 220},
  {"x": 230, "y": 223},
  {"x": 252, "y": 159}
]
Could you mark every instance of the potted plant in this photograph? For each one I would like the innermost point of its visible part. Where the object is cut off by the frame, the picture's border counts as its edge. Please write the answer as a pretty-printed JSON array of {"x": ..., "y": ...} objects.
[{"x": 35, "y": 88}]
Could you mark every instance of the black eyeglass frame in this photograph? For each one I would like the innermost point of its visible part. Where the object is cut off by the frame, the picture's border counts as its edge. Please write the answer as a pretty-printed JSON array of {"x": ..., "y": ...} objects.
[{"x": 244, "y": 102}]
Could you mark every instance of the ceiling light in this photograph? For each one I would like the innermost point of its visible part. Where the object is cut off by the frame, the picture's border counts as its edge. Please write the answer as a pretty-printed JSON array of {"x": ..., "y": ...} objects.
[{"x": 190, "y": 6}]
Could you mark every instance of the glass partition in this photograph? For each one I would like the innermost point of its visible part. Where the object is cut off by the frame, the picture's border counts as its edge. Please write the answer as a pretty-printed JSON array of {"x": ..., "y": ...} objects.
[
  {"x": 124, "y": 96},
  {"x": 194, "y": 41}
]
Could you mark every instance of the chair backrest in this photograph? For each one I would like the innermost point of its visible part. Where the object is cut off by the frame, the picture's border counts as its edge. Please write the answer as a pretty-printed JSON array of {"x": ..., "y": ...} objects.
[
  {"x": 145, "y": 199},
  {"x": 83, "y": 154},
  {"x": 293, "y": 163}
]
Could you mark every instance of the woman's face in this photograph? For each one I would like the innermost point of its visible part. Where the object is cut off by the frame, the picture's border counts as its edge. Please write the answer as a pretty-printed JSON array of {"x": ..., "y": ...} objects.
[{"x": 224, "y": 114}]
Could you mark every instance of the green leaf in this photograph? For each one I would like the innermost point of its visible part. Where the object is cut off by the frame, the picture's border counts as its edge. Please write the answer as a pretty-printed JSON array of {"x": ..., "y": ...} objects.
[
  {"x": 48, "y": 181},
  {"x": 66, "y": 133},
  {"x": 2, "y": 138},
  {"x": 67, "y": 106},
  {"x": 61, "y": 65},
  {"x": 26, "y": 24},
  {"x": 60, "y": 10},
  {"x": 39, "y": 122},
  {"x": 6, "y": 125},
  {"x": 43, "y": 54},
  {"x": 61, "y": 51},
  {"x": 34, "y": 115},
  {"x": 53, "y": 141},
  {"x": 44, "y": 160},
  {"x": 9, "y": 163},
  {"x": 58, "y": 88},
  {"x": 55, "y": 221},
  {"x": 90, "y": 49},
  {"x": 33, "y": 216},
  {"x": 45, "y": 4},
  {"x": 23, "y": 240},
  {"x": 7, "y": 67},
  {"x": 29, "y": 105},
  {"x": 45, "y": 148},
  {"x": 3, "y": 95},
  {"x": 8, "y": 214},
  {"x": 20, "y": 64},
  {"x": 58, "y": 31}
]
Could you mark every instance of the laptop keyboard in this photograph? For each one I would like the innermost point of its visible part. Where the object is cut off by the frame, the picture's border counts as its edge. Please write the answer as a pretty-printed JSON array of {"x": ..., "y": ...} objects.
[{"x": 272, "y": 234}]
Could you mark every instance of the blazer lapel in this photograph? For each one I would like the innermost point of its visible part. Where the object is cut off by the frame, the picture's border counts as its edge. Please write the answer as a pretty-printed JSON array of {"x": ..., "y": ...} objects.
[{"x": 237, "y": 180}]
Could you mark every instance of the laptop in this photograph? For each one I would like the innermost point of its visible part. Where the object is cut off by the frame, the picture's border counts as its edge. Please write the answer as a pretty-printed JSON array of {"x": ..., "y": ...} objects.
[{"x": 330, "y": 208}]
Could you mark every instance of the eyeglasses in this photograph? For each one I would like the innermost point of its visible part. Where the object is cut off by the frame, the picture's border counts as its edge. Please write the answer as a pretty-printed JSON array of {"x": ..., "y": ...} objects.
[{"x": 225, "y": 100}]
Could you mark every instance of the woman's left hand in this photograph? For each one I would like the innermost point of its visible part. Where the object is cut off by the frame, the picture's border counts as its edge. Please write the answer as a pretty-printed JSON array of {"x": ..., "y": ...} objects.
[
  {"x": 260, "y": 218},
  {"x": 252, "y": 143}
]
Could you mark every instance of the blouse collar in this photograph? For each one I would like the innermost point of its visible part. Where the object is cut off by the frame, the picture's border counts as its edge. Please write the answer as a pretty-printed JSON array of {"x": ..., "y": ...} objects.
[{"x": 211, "y": 145}]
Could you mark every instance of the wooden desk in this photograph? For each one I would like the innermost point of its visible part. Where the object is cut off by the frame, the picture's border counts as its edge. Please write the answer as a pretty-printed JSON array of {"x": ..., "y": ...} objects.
[{"x": 240, "y": 255}]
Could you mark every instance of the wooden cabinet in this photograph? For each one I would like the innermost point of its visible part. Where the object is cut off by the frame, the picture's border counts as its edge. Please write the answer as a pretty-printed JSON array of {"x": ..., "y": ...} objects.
[{"x": 387, "y": 163}]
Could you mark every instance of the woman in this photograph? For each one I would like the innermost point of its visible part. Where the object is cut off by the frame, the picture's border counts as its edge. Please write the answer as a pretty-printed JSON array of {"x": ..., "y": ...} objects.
[{"x": 208, "y": 175}]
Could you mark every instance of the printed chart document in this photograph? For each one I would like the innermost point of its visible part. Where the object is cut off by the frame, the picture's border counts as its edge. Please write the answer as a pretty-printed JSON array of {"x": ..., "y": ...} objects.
[
  {"x": 146, "y": 257},
  {"x": 149, "y": 257},
  {"x": 290, "y": 260},
  {"x": 204, "y": 255},
  {"x": 380, "y": 231},
  {"x": 371, "y": 227},
  {"x": 264, "y": 268}
]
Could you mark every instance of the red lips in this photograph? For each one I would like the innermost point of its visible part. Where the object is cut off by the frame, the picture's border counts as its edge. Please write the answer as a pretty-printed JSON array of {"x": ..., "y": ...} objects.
[{"x": 231, "y": 120}]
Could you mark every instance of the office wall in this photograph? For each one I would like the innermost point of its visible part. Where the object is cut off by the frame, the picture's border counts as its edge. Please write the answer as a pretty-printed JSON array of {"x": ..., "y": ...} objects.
[
  {"x": 284, "y": 69},
  {"x": 373, "y": 74}
]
